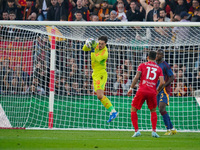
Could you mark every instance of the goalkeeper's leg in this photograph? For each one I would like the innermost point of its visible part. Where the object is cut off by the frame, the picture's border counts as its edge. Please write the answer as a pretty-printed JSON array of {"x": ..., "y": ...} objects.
[
  {"x": 105, "y": 101},
  {"x": 107, "y": 104}
]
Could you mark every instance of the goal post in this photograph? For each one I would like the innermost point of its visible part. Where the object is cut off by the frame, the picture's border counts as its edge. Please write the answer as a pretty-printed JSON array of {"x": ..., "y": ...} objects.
[{"x": 45, "y": 77}]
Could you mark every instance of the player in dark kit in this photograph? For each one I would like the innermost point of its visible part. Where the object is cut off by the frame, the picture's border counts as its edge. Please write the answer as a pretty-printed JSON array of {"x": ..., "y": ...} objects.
[
  {"x": 164, "y": 92},
  {"x": 149, "y": 74}
]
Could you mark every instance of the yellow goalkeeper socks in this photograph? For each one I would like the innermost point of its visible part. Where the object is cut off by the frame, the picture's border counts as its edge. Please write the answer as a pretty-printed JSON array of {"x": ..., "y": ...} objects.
[{"x": 106, "y": 103}]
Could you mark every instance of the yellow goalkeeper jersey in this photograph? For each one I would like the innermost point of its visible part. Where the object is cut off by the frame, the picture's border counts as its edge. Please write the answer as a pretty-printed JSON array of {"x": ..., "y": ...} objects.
[{"x": 98, "y": 58}]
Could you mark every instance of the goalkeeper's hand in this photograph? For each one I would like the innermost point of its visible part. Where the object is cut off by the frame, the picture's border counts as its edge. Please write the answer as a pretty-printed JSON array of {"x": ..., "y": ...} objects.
[{"x": 91, "y": 43}]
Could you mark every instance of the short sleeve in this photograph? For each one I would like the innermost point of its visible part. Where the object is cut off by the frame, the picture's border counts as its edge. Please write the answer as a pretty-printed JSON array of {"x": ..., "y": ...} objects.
[
  {"x": 168, "y": 70},
  {"x": 140, "y": 68}
]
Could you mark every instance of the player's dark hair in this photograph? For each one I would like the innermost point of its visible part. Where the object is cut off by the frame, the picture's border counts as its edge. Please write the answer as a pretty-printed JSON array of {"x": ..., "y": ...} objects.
[
  {"x": 152, "y": 55},
  {"x": 12, "y": 12},
  {"x": 160, "y": 51},
  {"x": 103, "y": 38}
]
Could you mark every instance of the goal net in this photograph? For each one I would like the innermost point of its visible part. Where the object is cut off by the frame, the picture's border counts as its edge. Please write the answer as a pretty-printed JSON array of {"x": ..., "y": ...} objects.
[{"x": 45, "y": 77}]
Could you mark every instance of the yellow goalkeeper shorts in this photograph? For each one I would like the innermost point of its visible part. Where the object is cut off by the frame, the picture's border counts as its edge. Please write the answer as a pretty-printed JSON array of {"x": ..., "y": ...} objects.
[{"x": 99, "y": 80}]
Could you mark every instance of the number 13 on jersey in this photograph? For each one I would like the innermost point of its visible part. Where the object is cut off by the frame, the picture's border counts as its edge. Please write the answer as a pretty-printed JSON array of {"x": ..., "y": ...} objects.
[{"x": 151, "y": 70}]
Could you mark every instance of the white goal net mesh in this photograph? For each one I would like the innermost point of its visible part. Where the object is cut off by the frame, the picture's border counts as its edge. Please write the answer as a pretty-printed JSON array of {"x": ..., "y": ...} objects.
[{"x": 25, "y": 59}]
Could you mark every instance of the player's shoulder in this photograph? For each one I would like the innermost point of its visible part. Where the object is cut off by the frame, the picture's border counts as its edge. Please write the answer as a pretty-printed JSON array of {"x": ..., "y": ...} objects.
[
  {"x": 166, "y": 64},
  {"x": 152, "y": 64}
]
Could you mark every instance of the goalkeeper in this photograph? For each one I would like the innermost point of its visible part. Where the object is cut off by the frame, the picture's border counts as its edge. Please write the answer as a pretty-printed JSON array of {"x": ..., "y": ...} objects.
[{"x": 99, "y": 55}]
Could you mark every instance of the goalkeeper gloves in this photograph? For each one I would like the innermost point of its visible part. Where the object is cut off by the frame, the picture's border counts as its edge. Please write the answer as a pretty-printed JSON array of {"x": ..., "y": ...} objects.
[{"x": 91, "y": 43}]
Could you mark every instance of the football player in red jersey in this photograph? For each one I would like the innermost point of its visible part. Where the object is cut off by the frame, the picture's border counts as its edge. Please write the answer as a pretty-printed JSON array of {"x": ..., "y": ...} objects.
[{"x": 149, "y": 74}]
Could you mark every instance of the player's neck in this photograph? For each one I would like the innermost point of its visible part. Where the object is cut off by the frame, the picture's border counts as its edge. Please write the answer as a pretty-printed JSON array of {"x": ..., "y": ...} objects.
[
  {"x": 151, "y": 60},
  {"x": 159, "y": 61}
]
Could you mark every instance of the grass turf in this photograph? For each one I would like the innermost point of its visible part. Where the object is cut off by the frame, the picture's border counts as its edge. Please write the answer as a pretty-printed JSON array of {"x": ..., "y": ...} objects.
[{"x": 87, "y": 140}]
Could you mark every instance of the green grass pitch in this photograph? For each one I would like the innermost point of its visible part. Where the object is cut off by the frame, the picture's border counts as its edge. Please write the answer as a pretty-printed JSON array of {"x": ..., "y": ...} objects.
[{"x": 11, "y": 139}]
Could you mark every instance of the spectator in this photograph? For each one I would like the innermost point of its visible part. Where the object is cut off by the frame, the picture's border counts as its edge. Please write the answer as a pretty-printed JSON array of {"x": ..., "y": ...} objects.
[
  {"x": 12, "y": 16},
  {"x": 11, "y": 7},
  {"x": 124, "y": 2},
  {"x": 155, "y": 12},
  {"x": 20, "y": 81},
  {"x": 61, "y": 9},
  {"x": 148, "y": 7},
  {"x": 35, "y": 88},
  {"x": 6, "y": 77},
  {"x": 33, "y": 17},
  {"x": 182, "y": 33},
  {"x": 175, "y": 68},
  {"x": 62, "y": 86},
  {"x": 75, "y": 89},
  {"x": 28, "y": 9},
  {"x": 163, "y": 15},
  {"x": 63, "y": 18},
  {"x": 187, "y": 74},
  {"x": 161, "y": 34},
  {"x": 177, "y": 7},
  {"x": 103, "y": 11},
  {"x": 78, "y": 16},
  {"x": 181, "y": 89},
  {"x": 42, "y": 74},
  {"x": 176, "y": 18},
  {"x": 2, "y": 5},
  {"x": 67, "y": 89},
  {"x": 74, "y": 74},
  {"x": 89, "y": 4},
  {"x": 20, "y": 3},
  {"x": 86, "y": 76},
  {"x": 52, "y": 11},
  {"x": 121, "y": 13},
  {"x": 195, "y": 6},
  {"x": 84, "y": 11},
  {"x": 113, "y": 16},
  {"x": 43, "y": 6},
  {"x": 97, "y": 6},
  {"x": 5, "y": 15},
  {"x": 196, "y": 16},
  {"x": 123, "y": 84},
  {"x": 85, "y": 90},
  {"x": 94, "y": 18},
  {"x": 133, "y": 14},
  {"x": 128, "y": 68}
]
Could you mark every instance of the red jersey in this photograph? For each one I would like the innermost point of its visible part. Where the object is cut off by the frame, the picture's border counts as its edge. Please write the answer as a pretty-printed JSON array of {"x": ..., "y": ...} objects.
[{"x": 150, "y": 73}]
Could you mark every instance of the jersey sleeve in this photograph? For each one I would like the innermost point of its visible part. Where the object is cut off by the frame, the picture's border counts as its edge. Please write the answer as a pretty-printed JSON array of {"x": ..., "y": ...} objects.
[
  {"x": 140, "y": 68},
  {"x": 161, "y": 73},
  {"x": 85, "y": 48},
  {"x": 168, "y": 70},
  {"x": 101, "y": 56}
]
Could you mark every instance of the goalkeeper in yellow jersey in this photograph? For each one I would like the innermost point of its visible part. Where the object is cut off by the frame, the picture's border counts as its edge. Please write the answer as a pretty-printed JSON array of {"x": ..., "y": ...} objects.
[{"x": 99, "y": 55}]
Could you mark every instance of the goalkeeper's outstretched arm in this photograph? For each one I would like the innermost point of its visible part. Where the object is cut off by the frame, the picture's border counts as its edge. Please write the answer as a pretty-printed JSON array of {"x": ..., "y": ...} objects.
[
  {"x": 89, "y": 43},
  {"x": 85, "y": 48}
]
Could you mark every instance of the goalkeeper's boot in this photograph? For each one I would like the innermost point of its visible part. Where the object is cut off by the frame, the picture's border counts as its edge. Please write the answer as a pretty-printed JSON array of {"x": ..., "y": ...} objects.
[
  {"x": 136, "y": 134},
  {"x": 168, "y": 132},
  {"x": 154, "y": 134},
  {"x": 173, "y": 131},
  {"x": 113, "y": 115}
]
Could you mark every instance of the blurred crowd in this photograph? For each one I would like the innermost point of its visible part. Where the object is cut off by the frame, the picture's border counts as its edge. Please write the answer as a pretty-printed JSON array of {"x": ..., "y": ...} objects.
[
  {"x": 75, "y": 80},
  {"x": 101, "y": 10}
]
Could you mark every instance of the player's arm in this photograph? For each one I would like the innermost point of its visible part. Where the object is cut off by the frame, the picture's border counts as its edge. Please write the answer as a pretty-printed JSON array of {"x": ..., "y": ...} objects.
[
  {"x": 162, "y": 82},
  {"x": 169, "y": 74},
  {"x": 134, "y": 82},
  {"x": 85, "y": 48},
  {"x": 89, "y": 44},
  {"x": 171, "y": 78}
]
